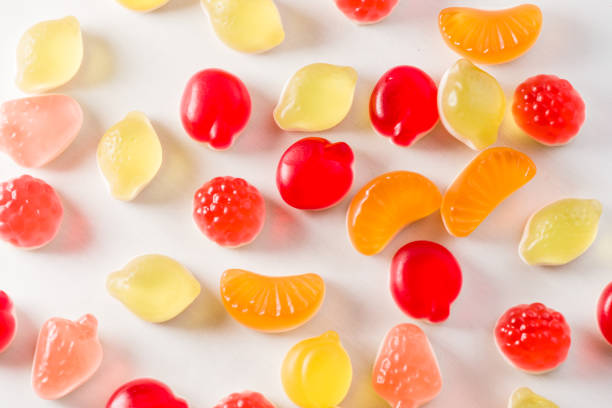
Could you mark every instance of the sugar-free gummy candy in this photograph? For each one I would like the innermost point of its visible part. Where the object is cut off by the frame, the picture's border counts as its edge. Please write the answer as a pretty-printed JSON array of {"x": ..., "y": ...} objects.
[
  {"x": 8, "y": 321},
  {"x": 604, "y": 313},
  {"x": 129, "y": 156},
  {"x": 142, "y": 5},
  {"x": 560, "y": 232},
  {"x": 67, "y": 354},
  {"x": 386, "y": 205},
  {"x": 406, "y": 372},
  {"x": 316, "y": 98},
  {"x": 525, "y": 398},
  {"x": 271, "y": 304},
  {"x": 317, "y": 372},
  {"x": 491, "y": 36},
  {"x": 49, "y": 54},
  {"x": 145, "y": 393},
  {"x": 366, "y": 11},
  {"x": 314, "y": 173},
  {"x": 245, "y": 399}
]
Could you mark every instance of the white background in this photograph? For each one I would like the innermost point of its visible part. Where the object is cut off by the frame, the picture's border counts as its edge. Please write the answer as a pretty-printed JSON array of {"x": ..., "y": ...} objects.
[{"x": 142, "y": 62}]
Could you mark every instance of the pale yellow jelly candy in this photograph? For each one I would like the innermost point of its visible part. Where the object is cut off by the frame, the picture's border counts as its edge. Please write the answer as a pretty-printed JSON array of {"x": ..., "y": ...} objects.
[
  {"x": 129, "y": 156},
  {"x": 154, "y": 287},
  {"x": 560, "y": 232},
  {"x": 317, "y": 97},
  {"x": 49, "y": 54},
  {"x": 471, "y": 104},
  {"x": 246, "y": 25},
  {"x": 142, "y": 5},
  {"x": 525, "y": 398}
]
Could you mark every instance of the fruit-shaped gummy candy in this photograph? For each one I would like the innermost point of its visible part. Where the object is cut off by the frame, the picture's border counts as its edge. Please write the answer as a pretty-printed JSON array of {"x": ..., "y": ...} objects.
[
  {"x": 67, "y": 354},
  {"x": 488, "y": 180},
  {"x": 246, "y": 25},
  {"x": 560, "y": 232},
  {"x": 49, "y": 54},
  {"x": 245, "y": 399},
  {"x": 406, "y": 372},
  {"x": 229, "y": 211},
  {"x": 472, "y": 104},
  {"x": 317, "y": 372},
  {"x": 155, "y": 288},
  {"x": 491, "y": 36},
  {"x": 142, "y": 5},
  {"x": 30, "y": 212},
  {"x": 314, "y": 173},
  {"x": 425, "y": 280},
  {"x": 317, "y": 97},
  {"x": 145, "y": 393},
  {"x": 533, "y": 338},
  {"x": 525, "y": 398},
  {"x": 271, "y": 304},
  {"x": 604, "y": 313},
  {"x": 366, "y": 11},
  {"x": 8, "y": 321},
  {"x": 403, "y": 105},
  {"x": 129, "y": 156},
  {"x": 386, "y": 205}
]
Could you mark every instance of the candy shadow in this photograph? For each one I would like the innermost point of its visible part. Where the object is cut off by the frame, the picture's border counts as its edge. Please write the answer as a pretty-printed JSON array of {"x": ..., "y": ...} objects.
[
  {"x": 97, "y": 66},
  {"x": 361, "y": 393},
  {"x": 593, "y": 355},
  {"x": 281, "y": 230},
  {"x": 301, "y": 30},
  {"x": 75, "y": 233},
  {"x": 176, "y": 5},
  {"x": 358, "y": 118},
  {"x": 205, "y": 312},
  {"x": 511, "y": 134},
  {"x": 441, "y": 141},
  {"x": 21, "y": 350}
]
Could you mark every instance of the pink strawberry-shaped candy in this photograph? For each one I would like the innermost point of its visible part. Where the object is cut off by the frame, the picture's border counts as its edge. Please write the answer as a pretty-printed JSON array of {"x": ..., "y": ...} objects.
[
  {"x": 145, "y": 393},
  {"x": 8, "y": 321},
  {"x": 245, "y": 399}
]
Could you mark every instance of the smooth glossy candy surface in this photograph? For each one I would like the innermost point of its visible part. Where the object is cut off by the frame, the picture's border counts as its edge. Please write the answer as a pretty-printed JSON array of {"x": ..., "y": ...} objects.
[
  {"x": 366, "y": 11},
  {"x": 525, "y": 398},
  {"x": 8, "y": 321},
  {"x": 145, "y": 393},
  {"x": 245, "y": 399},
  {"x": 604, "y": 313},
  {"x": 142, "y": 5}
]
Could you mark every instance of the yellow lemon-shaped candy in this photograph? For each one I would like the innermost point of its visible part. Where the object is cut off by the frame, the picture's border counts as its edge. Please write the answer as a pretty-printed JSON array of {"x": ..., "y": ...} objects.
[
  {"x": 142, "y": 5},
  {"x": 525, "y": 398}
]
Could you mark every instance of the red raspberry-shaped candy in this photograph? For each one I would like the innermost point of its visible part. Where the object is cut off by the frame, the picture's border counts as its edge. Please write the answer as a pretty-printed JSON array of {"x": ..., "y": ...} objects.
[
  {"x": 533, "y": 337},
  {"x": 30, "y": 212},
  {"x": 246, "y": 399},
  {"x": 8, "y": 321},
  {"x": 548, "y": 109},
  {"x": 366, "y": 11},
  {"x": 229, "y": 211}
]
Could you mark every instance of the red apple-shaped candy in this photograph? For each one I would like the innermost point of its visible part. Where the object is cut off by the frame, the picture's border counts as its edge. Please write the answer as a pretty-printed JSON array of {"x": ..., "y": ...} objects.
[
  {"x": 604, "y": 313},
  {"x": 144, "y": 393},
  {"x": 8, "y": 322}
]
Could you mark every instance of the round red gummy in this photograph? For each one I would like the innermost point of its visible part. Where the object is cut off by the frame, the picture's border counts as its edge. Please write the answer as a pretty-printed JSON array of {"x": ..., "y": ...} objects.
[
  {"x": 314, "y": 173},
  {"x": 548, "y": 109},
  {"x": 8, "y": 321},
  {"x": 246, "y": 399},
  {"x": 144, "y": 393},
  {"x": 604, "y": 313},
  {"x": 533, "y": 338},
  {"x": 215, "y": 107},
  {"x": 30, "y": 212},
  {"x": 366, "y": 11},
  {"x": 403, "y": 105},
  {"x": 229, "y": 211}
]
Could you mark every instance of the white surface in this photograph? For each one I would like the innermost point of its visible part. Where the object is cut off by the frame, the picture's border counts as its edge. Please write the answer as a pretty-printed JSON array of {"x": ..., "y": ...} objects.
[{"x": 142, "y": 62}]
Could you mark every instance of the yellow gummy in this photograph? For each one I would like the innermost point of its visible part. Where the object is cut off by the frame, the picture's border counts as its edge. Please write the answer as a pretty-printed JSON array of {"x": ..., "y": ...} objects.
[
  {"x": 317, "y": 97},
  {"x": 154, "y": 287},
  {"x": 49, "y": 54},
  {"x": 560, "y": 232},
  {"x": 246, "y": 25},
  {"x": 471, "y": 104},
  {"x": 317, "y": 372},
  {"x": 525, "y": 398},
  {"x": 129, "y": 156},
  {"x": 142, "y": 5}
]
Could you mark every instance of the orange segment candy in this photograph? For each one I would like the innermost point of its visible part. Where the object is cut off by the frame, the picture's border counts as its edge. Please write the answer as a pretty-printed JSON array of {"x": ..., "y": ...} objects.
[
  {"x": 491, "y": 36},
  {"x": 386, "y": 205},
  {"x": 271, "y": 304},
  {"x": 487, "y": 181}
]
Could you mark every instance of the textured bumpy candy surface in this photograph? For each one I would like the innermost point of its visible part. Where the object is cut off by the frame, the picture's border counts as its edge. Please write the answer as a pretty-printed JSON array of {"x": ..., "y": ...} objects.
[
  {"x": 245, "y": 399},
  {"x": 604, "y": 313},
  {"x": 155, "y": 288},
  {"x": 560, "y": 232},
  {"x": 67, "y": 354},
  {"x": 49, "y": 54},
  {"x": 271, "y": 304},
  {"x": 525, "y": 398},
  {"x": 317, "y": 372},
  {"x": 145, "y": 393},
  {"x": 406, "y": 372},
  {"x": 366, "y": 11},
  {"x": 8, "y": 321},
  {"x": 316, "y": 98},
  {"x": 129, "y": 156},
  {"x": 142, "y": 5}
]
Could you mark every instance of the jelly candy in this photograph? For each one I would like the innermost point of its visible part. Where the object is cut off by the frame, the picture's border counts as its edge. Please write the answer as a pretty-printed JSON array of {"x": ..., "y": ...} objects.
[
  {"x": 487, "y": 181},
  {"x": 30, "y": 212},
  {"x": 472, "y": 104},
  {"x": 229, "y": 211},
  {"x": 246, "y": 25},
  {"x": 49, "y": 54},
  {"x": 406, "y": 372},
  {"x": 8, "y": 321},
  {"x": 425, "y": 280},
  {"x": 403, "y": 105},
  {"x": 533, "y": 338},
  {"x": 145, "y": 393},
  {"x": 525, "y": 398},
  {"x": 548, "y": 109},
  {"x": 271, "y": 304},
  {"x": 35, "y": 130},
  {"x": 604, "y": 313},
  {"x": 305, "y": 164},
  {"x": 316, "y": 98},
  {"x": 245, "y": 399},
  {"x": 142, "y": 5},
  {"x": 491, "y": 36},
  {"x": 129, "y": 156},
  {"x": 317, "y": 372},
  {"x": 387, "y": 204},
  {"x": 366, "y": 11},
  {"x": 560, "y": 232},
  {"x": 155, "y": 288},
  {"x": 216, "y": 106},
  {"x": 67, "y": 355}
]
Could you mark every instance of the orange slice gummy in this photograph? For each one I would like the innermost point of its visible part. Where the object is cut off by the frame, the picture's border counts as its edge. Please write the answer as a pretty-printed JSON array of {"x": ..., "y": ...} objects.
[
  {"x": 271, "y": 304},
  {"x": 491, "y": 36},
  {"x": 387, "y": 204},
  {"x": 487, "y": 181}
]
